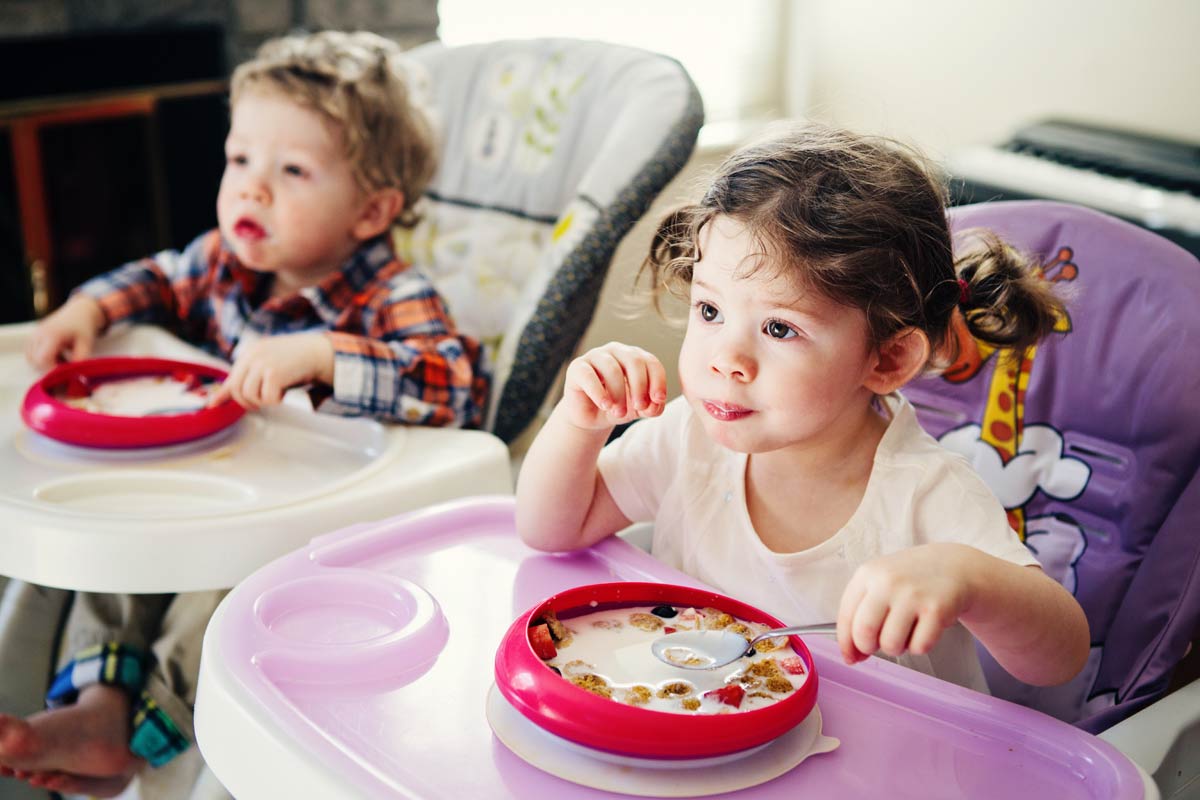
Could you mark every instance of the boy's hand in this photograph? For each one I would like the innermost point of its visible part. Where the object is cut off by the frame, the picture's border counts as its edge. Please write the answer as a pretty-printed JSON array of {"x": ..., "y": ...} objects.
[
  {"x": 70, "y": 331},
  {"x": 613, "y": 384},
  {"x": 270, "y": 366},
  {"x": 904, "y": 601}
]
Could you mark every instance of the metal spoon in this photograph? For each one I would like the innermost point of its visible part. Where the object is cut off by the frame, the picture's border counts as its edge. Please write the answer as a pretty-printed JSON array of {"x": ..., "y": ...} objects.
[{"x": 712, "y": 649}]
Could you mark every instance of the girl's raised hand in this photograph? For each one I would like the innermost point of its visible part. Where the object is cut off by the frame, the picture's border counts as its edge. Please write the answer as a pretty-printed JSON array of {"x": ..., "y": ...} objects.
[{"x": 613, "y": 384}]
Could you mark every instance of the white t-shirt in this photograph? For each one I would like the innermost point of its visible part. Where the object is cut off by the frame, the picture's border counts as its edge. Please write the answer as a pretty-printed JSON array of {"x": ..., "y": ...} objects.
[{"x": 668, "y": 471}]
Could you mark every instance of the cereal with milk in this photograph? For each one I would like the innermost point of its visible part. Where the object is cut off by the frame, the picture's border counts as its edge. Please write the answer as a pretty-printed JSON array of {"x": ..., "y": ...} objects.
[
  {"x": 607, "y": 652},
  {"x": 139, "y": 396}
]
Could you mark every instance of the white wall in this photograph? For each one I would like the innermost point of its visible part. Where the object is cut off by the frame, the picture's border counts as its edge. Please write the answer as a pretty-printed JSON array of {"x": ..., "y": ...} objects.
[
  {"x": 944, "y": 73},
  {"x": 941, "y": 74}
]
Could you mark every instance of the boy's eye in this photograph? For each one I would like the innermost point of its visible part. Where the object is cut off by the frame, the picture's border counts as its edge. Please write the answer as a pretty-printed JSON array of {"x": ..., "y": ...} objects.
[
  {"x": 297, "y": 171},
  {"x": 236, "y": 158},
  {"x": 709, "y": 313},
  {"x": 778, "y": 330}
]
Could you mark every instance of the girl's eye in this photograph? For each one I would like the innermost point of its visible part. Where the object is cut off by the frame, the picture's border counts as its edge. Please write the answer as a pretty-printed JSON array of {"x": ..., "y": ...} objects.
[
  {"x": 709, "y": 313},
  {"x": 778, "y": 330},
  {"x": 292, "y": 169},
  {"x": 236, "y": 158}
]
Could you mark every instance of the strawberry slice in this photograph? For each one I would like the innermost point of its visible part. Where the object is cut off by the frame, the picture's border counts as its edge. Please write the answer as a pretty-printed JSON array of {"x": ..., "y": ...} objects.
[
  {"x": 188, "y": 378},
  {"x": 542, "y": 642},
  {"x": 730, "y": 694},
  {"x": 668, "y": 629},
  {"x": 793, "y": 665},
  {"x": 77, "y": 387}
]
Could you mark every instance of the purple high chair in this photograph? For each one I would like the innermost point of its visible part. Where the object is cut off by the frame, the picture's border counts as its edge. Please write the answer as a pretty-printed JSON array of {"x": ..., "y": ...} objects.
[{"x": 1092, "y": 442}]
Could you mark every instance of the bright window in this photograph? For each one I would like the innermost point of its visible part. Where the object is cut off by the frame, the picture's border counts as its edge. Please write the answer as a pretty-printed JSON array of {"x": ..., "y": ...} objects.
[{"x": 732, "y": 50}]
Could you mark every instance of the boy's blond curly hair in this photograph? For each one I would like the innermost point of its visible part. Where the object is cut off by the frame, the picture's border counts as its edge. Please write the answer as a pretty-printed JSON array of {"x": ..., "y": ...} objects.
[{"x": 362, "y": 84}]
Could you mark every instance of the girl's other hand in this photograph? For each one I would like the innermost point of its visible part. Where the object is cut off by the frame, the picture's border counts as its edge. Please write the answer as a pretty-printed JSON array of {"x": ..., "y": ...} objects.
[
  {"x": 613, "y": 384},
  {"x": 266, "y": 369},
  {"x": 902, "y": 602},
  {"x": 69, "y": 332}
]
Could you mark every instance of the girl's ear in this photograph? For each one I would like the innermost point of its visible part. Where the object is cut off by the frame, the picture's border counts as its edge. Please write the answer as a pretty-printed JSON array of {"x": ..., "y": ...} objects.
[
  {"x": 898, "y": 360},
  {"x": 378, "y": 211}
]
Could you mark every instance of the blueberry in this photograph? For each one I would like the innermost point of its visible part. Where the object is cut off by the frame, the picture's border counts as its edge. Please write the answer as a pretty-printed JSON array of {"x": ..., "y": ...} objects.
[
  {"x": 666, "y": 612},
  {"x": 750, "y": 653},
  {"x": 557, "y": 671}
]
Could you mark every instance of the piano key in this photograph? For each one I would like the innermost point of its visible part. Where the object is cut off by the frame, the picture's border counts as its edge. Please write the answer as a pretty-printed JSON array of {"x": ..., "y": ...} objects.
[{"x": 1148, "y": 205}]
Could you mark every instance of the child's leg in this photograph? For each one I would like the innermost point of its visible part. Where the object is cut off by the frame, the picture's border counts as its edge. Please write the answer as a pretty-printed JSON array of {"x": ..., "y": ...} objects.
[
  {"x": 31, "y": 620},
  {"x": 88, "y": 726},
  {"x": 162, "y": 722},
  {"x": 107, "y": 640}
]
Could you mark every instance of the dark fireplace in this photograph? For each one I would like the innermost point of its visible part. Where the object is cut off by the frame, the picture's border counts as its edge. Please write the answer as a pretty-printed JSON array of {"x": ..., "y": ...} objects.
[{"x": 110, "y": 149}]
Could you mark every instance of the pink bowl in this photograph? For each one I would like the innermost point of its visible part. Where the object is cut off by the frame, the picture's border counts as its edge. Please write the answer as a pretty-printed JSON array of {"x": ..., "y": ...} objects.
[
  {"x": 44, "y": 413},
  {"x": 564, "y": 709}
]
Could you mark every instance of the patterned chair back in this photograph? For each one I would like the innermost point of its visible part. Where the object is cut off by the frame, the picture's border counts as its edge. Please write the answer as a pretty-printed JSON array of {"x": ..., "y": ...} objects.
[
  {"x": 1092, "y": 442},
  {"x": 551, "y": 149}
]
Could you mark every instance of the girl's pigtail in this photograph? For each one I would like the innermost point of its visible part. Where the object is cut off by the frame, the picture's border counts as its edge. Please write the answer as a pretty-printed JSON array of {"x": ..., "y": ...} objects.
[{"x": 1003, "y": 296}]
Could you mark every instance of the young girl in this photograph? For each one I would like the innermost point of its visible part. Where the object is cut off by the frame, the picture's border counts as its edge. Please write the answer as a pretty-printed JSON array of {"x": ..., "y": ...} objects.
[{"x": 790, "y": 474}]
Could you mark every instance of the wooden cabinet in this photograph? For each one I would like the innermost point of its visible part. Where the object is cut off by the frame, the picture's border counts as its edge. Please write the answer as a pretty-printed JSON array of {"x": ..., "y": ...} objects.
[{"x": 92, "y": 181}]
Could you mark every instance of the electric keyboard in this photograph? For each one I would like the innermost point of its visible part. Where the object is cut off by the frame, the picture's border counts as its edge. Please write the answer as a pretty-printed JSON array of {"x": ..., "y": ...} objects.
[{"x": 1152, "y": 181}]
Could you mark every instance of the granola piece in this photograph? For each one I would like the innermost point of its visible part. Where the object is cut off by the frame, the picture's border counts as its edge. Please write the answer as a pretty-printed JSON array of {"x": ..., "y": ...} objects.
[
  {"x": 637, "y": 695},
  {"x": 578, "y": 667},
  {"x": 607, "y": 624},
  {"x": 767, "y": 668},
  {"x": 594, "y": 684},
  {"x": 645, "y": 622},
  {"x": 683, "y": 657},
  {"x": 715, "y": 619},
  {"x": 742, "y": 630},
  {"x": 675, "y": 689},
  {"x": 767, "y": 645},
  {"x": 690, "y": 703},
  {"x": 557, "y": 629},
  {"x": 688, "y": 620},
  {"x": 762, "y": 694},
  {"x": 779, "y": 685},
  {"x": 749, "y": 681}
]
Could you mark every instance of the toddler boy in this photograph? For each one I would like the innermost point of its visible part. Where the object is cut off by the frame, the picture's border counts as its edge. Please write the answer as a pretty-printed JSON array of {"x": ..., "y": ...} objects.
[{"x": 298, "y": 285}]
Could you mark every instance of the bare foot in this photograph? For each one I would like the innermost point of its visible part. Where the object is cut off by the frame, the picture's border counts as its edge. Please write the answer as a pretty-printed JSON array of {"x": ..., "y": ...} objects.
[
  {"x": 89, "y": 738},
  {"x": 66, "y": 783}
]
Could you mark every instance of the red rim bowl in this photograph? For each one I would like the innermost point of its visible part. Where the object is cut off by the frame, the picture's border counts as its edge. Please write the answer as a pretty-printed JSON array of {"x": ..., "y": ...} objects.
[
  {"x": 47, "y": 415},
  {"x": 564, "y": 709}
]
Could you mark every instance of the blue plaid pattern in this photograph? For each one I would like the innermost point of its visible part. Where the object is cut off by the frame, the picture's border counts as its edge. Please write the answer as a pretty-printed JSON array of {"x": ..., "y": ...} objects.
[
  {"x": 155, "y": 737},
  {"x": 111, "y": 664}
]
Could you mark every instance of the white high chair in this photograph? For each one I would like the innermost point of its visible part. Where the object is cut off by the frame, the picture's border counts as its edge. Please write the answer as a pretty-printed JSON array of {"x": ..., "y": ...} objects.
[
  {"x": 204, "y": 514},
  {"x": 551, "y": 151}
]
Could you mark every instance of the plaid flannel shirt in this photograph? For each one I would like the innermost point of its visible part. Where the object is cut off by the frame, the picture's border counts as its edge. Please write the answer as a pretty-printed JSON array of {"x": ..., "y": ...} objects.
[{"x": 397, "y": 355}]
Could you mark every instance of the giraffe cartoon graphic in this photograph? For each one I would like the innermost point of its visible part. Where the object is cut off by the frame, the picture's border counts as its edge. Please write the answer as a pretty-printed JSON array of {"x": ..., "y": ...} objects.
[{"x": 1016, "y": 458}]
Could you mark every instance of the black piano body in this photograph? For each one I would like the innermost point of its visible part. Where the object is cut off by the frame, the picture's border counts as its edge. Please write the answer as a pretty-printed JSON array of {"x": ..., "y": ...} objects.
[{"x": 1149, "y": 180}]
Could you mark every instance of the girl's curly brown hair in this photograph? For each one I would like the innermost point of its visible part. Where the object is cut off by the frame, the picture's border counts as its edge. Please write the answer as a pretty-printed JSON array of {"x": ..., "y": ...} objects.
[{"x": 863, "y": 221}]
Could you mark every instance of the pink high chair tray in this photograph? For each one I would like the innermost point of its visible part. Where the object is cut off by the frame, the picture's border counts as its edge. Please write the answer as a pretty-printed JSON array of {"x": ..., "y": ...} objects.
[
  {"x": 363, "y": 665},
  {"x": 46, "y": 411}
]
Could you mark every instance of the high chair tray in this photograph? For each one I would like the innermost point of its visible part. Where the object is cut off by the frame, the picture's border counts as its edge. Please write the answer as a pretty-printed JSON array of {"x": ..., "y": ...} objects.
[
  {"x": 204, "y": 513},
  {"x": 361, "y": 666}
]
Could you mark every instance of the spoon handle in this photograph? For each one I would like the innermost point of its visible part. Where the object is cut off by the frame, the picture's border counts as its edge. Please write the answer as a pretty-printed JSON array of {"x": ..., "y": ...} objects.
[{"x": 820, "y": 627}]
